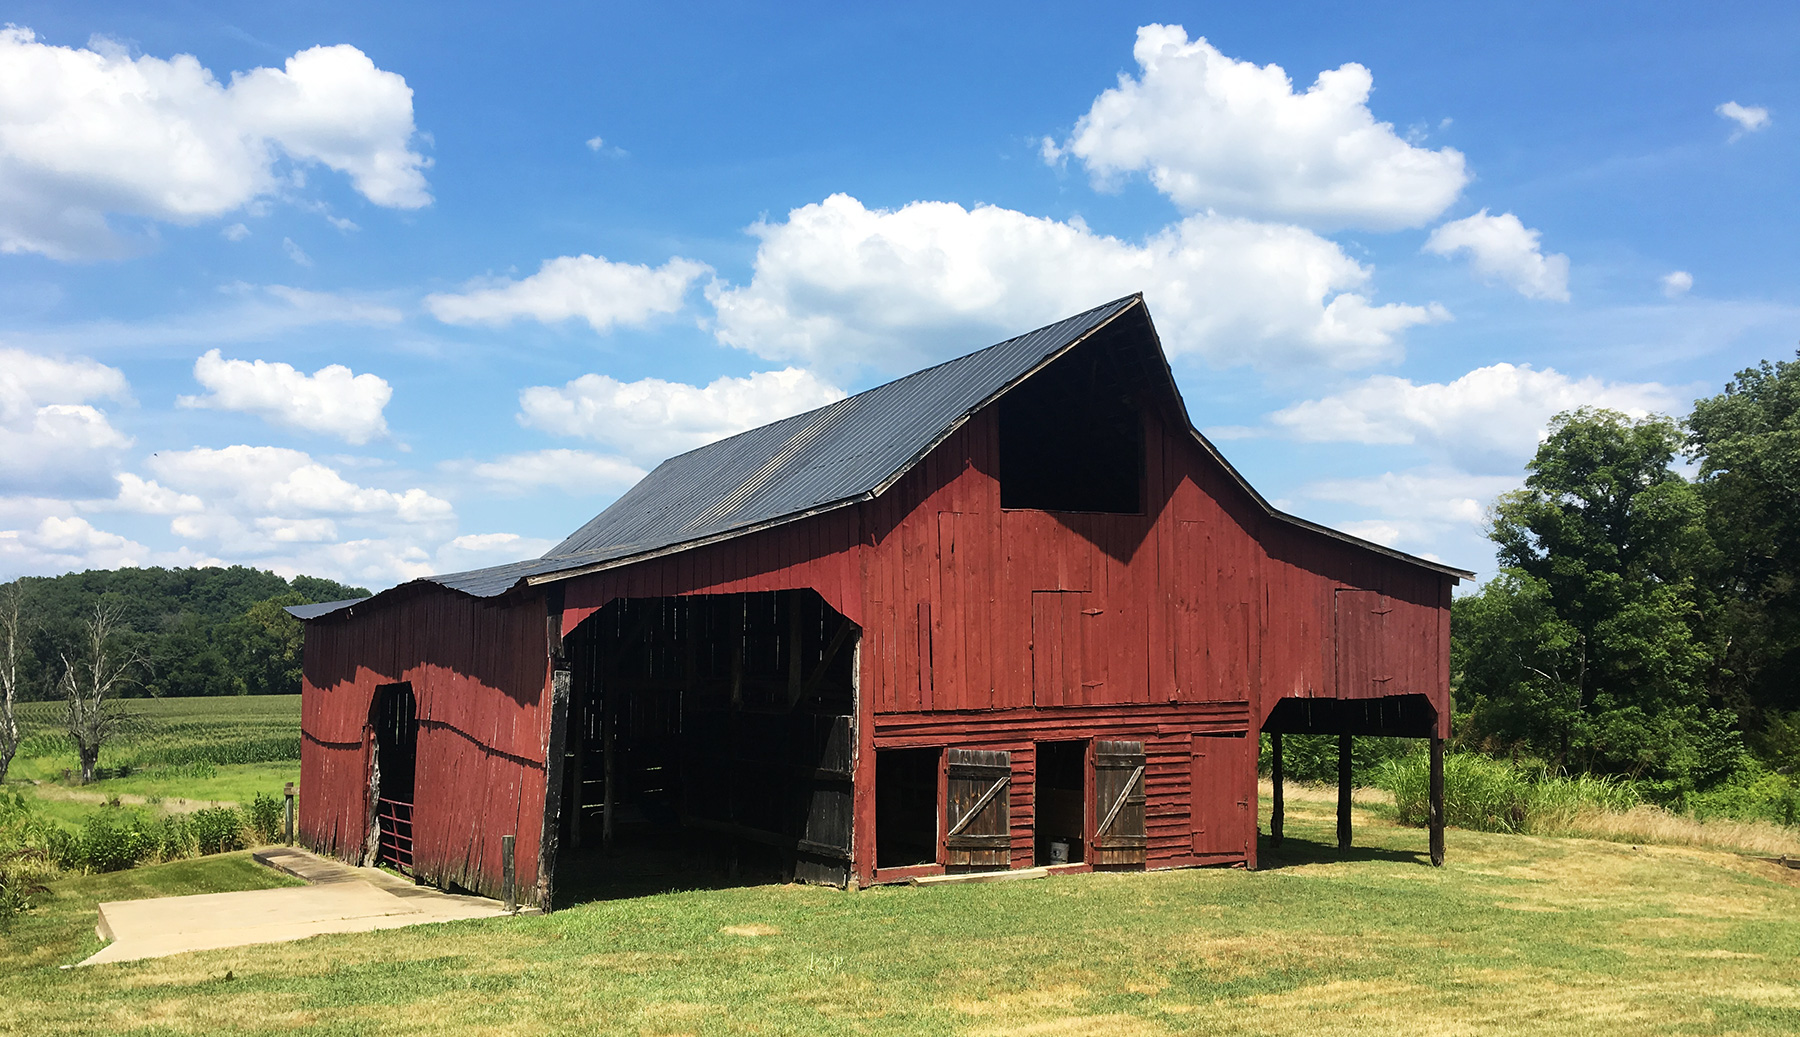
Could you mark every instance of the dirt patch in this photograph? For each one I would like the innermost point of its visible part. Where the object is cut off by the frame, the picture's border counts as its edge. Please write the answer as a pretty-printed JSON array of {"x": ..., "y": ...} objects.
[{"x": 751, "y": 929}]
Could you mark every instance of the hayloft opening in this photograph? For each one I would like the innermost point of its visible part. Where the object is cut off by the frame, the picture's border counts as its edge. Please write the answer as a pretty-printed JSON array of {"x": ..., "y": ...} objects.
[{"x": 1072, "y": 439}]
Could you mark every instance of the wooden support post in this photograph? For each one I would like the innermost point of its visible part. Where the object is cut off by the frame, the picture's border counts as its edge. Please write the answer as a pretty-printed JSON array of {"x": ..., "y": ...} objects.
[
  {"x": 1344, "y": 792},
  {"x": 1277, "y": 809},
  {"x": 1436, "y": 806},
  {"x": 577, "y": 741},
  {"x": 509, "y": 892},
  {"x": 287, "y": 792}
]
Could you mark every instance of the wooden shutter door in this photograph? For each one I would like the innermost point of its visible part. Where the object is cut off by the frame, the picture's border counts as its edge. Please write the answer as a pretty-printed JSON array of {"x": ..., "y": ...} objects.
[
  {"x": 1119, "y": 837},
  {"x": 978, "y": 811}
]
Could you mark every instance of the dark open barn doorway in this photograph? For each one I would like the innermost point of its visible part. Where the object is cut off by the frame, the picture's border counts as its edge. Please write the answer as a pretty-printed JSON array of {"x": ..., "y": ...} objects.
[
  {"x": 710, "y": 742},
  {"x": 1061, "y": 802},
  {"x": 906, "y": 806},
  {"x": 394, "y": 716}
]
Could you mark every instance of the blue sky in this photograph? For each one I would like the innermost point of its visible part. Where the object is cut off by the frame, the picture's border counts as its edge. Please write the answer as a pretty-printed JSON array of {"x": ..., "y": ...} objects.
[{"x": 370, "y": 291}]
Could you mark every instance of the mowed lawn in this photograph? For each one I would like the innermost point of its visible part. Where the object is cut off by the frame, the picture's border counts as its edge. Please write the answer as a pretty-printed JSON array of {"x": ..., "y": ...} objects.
[{"x": 1516, "y": 935}]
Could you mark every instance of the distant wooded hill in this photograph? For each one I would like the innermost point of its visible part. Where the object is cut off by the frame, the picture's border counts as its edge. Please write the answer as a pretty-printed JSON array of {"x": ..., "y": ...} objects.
[{"x": 200, "y": 631}]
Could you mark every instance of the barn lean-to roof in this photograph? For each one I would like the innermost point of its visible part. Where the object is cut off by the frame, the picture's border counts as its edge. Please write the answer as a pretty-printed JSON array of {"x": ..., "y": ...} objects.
[{"x": 824, "y": 459}]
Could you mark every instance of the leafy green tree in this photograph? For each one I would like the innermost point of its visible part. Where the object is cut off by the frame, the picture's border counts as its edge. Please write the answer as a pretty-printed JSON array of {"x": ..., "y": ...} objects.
[
  {"x": 1591, "y": 648},
  {"x": 265, "y": 645},
  {"x": 1747, "y": 442},
  {"x": 188, "y": 623}
]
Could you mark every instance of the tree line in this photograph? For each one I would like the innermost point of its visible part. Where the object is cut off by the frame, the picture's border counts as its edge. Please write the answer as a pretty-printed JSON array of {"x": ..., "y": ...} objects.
[
  {"x": 1645, "y": 621},
  {"x": 94, "y": 638}
]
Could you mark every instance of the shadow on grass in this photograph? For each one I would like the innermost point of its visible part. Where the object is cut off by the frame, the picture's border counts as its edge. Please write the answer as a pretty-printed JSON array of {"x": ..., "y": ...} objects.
[
  {"x": 1295, "y": 851},
  {"x": 647, "y": 860}
]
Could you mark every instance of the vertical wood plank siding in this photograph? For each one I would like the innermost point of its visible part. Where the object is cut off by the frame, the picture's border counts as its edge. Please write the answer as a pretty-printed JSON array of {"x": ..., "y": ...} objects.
[{"x": 478, "y": 673}]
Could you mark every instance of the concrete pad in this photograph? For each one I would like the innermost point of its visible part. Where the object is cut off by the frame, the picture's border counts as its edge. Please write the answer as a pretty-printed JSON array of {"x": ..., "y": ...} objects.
[{"x": 339, "y": 899}]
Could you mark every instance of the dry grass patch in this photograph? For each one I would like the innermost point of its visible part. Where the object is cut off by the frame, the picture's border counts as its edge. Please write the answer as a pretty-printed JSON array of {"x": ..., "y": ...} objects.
[{"x": 1652, "y": 824}]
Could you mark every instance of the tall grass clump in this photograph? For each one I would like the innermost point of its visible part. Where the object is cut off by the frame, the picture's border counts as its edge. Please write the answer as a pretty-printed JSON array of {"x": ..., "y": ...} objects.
[{"x": 1492, "y": 795}]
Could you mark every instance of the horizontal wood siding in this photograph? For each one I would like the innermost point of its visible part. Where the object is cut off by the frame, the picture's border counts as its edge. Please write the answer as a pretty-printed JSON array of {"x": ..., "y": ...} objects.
[{"x": 1166, "y": 730}]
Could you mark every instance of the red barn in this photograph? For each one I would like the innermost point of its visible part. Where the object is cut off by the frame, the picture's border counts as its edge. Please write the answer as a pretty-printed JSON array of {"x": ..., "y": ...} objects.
[{"x": 1009, "y": 610}]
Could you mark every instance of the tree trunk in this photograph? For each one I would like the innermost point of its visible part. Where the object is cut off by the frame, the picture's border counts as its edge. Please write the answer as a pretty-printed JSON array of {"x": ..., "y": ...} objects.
[{"x": 89, "y": 757}]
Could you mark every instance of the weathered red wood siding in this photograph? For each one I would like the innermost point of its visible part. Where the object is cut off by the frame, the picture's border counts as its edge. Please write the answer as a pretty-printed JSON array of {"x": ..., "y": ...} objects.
[
  {"x": 1180, "y": 624},
  {"x": 479, "y": 674},
  {"x": 1302, "y": 655},
  {"x": 1147, "y": 623},
  {"x": 819, "y": 553}
]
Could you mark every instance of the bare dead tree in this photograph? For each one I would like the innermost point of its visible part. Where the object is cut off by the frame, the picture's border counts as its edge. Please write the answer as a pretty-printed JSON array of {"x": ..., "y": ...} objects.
[
  {"x": 91, "y": 685},
  {"x": 12, "y": 613}
]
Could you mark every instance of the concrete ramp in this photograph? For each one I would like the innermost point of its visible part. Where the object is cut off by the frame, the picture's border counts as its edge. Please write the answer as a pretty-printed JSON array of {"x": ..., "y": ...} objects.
[{"x": 337, "y": 899}]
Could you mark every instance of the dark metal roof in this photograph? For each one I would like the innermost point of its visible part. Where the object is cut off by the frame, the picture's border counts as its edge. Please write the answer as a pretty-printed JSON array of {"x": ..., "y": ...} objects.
[{"x": 850, "y": 450}]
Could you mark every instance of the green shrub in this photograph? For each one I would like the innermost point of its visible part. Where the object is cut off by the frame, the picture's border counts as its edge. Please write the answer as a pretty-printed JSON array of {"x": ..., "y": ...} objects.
[
  {"x": 113, "y": 840},
  {"x": 265, "y": 817},
  {"x": 18, "y": 881},
  {"x": 1754, "y": 793},
  {"x": 177, "y": 838},
  {"x": 217, "y": 829}
]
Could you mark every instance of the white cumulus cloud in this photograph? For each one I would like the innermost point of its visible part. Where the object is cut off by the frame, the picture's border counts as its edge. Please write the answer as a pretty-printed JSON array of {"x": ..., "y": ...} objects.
[
  {"x": 477, "y": 550},
  {"x": 839, "y": 285},
  {"x": 576, "y": 472},
  {"x": 1748, "y": 118},
  {"x": 52, "y": 440},
  {"x": 331, "y": 400},
  {"x": 254, "y": 481},
  {"x": 1489, "y": 421},
  {"x": 59, "y": 544},
  {"x": 651, "y": 419},
  {"x": 1216, "y": 133},
  {"x": 1677, "y": 283},
  {"x": 593, "y": 288},
  {"x": 1431, "y": 506},
  {"x": 85, "y": 133},
  {"x": 1500, "y": 248}
]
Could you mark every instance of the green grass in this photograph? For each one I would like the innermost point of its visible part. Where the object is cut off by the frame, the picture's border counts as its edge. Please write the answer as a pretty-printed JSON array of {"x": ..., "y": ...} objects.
[
  {"x": 232, "y": 783},
  {"x": 1516, "y": 935}
]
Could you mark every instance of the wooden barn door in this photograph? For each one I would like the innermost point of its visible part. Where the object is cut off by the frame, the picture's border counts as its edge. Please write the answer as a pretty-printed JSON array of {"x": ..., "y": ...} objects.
[
  {"x": 1219, "y": 809},
  {"x": 1119, "y": 835},
  {"x": 978, "y": 809}
]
